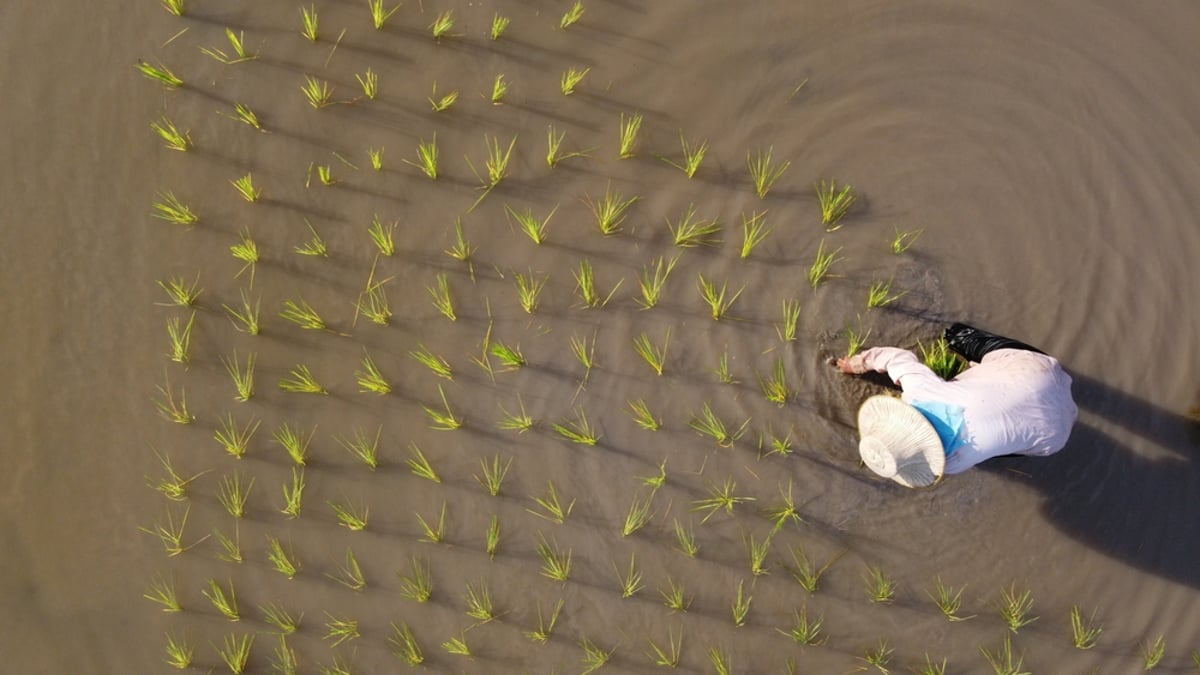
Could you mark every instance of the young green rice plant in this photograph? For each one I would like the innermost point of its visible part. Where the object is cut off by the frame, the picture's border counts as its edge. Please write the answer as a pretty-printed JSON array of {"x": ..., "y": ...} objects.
[
  {"x": 931, "y": 667},
  {"x": 1196, "y": 658},
  {"x": 764, "y": 172},
  {"x": 284, "y": 659},
  {"x": 370, "y": 379},
  {"x": 499, "y": 24},
  {"x": 180, "y": 336},
  {"x": 340, "y": 629},
  {"x": 511, "y": 357},
  {"x": 675, "y": 596},
  {"x": 630, "y": 126},
  {"x": 693, "y": 155},
  {"x": 168, "y": 207},
  {"x": 458, "y": 645},
  {"x": 879, "y": 587},
  {"x": 880, "y": 294},
  {"x": 667, "y": 656},
  {"x": 324, "y": 174},
  {"x": 545, "y": 627},
  {"x": 235, "y": 652},
  {"x": 427, "y": 158},
  {"x": 479, "y": 602},
  {"x": 724, "y": 375},
  {"x": 419, "y": 464},
  {"x": 834, "y": 203},
  {"x": 609, "y": 210},
  {"x": 529, "y": 288},
  {"x": 1084, "y": 631},
  {"x": 435, "y": 363},
  {"x": 442, "y": 419},
  {"x": 571, "y": 78},
  {"x": 494, "y": 473},
  {"x": 381, "y": 236},
  {"x": 243, "y": 377},
  {"x": 719, "y": 660},
  {"x": 350, "y": 515},
  {"x": 231, "y": 549},
  {"x": 496, "y": 165},
  {"x": 442, "y": 25},
  {"x": 379, "y": 15},
  {"x": 434, "y": 534},
  {"x": 775, "y": 387},
  {"x": 948, "y": 599},
  {"x": 225, "y": 603},
  {"x": 293, "y": 495},
  {"x": 405, "y": 646},
  {"x": 877, "y": 657},
  {"x": 686, "y": 537},
  {"x": 302, "y": 314},
  {"x": 754, "y": 232},
  {"x": 554, "y": 153},
  {"x": 822, "y": 264},
  {"x": 175, "y": 7},
  {"x": 179, "y": 652},
  {"x": 280, "y": 618},
  {"x": 584, "y": 352},
  {"x": 350, "y": 574},
  {"x": 245, "y": 318},
  {"x": 856, "y": 338},
  {"x": 310, "y": 23},
  {"x": 805, "y": 631},
  {"x": 1003, "y": 661},
  {"x": 170, "y": 532},
  {"x": 556, "y": 564},
  {"x": 572, "y": 16},
  {"x": 707, "y": 423},
  {"x": 640, "y": 412},
  {"x": 904, "y": 240},
  {"x": 552, "y": 507},
  {"x": 776, "y": 445},
  {"x": 159, "y": 73},
  {"x": 656, "y": 357},
  {"x": 163, "y": 592},
  {"x": 499, "y": 89},
  {"x": 233, "y": 493},
  {"x": 363, "y": 447},
  {"x": 527, "y": 223},
  {"x": 376, "y": 157},
  {"x": 237, "y": 42},
  {"x": 244, "y": 114},
  {"x": 173, "y": 486},
  {"x": 941, "y": 359},
  {"x": 716, "y": 300},
  {"x": 639, "y": 514},
  {"x": 1014, "y": 607},
  {"x": 1153, "y": 652},
  {"x": 180, "y": 292},
  {"x": 690, "y": 232},
  {"x": 631, "y": 581},
  {"x": 417, "y": 585},
  {"x": 594, "y": 657},
  {"x": 492, "y": 538},
  {"x": 234, "y": 440},
  {"x": 245, "y": 187},
  {"x": 515, "y": 421},
  {"x": 462, "y": 250},
  {"x": 806, "y": 572},
  {"x": 172, "y": 137},
  {"x": 442, "y": 103},
  {"x": 302, "y": 381},
  {"x": 246, "y": 250},
  {"x": 741, "y": 606},
  {"x": 577, "y": 430},
  {"x": 719, "y": 497},
  {"x": 758, "y": 551},
  {"x": 171, "y": 407},
  {"x": 318, "y": 93},
  {"x": 440, "y": 296}
]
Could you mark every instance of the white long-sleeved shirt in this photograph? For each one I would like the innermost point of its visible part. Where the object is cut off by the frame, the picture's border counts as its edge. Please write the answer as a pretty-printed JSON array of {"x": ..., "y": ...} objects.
[{"x": 1014, "y": 401}]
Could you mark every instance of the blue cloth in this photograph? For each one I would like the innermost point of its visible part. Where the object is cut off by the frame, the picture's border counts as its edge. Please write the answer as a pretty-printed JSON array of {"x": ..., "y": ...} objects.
[{"x": 947, "y": 421}]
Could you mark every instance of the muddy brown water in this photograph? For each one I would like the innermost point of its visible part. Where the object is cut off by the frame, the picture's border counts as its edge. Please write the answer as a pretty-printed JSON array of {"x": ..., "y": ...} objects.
[{"x": 1046, "y": 152}]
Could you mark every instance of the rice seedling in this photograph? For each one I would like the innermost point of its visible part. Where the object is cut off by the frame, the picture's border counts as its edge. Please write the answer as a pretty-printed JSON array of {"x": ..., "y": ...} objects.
[
  {"x": 318, "y": 93},
  {"x": 534, "y": 228},
  {"x": 310, "y": 22},
  {"x": 180, "y": 292},
  {"x": 631, "y": 581},
  {"x": 585, "y": 285},
  {"x": 716, "y": 300},
  {"x": 175, "y": 7},
  {"x": 245, "y": 319},
  {"x": 442, "y": 103},
  {"x": 656, "y": 357},
  {"x": 545, "y": 627},
  {"x": 173, "y": 486},
  {"x": 284, "y": 661},
  {"x": 340, "y": 629},
  {"x": 555, "y": 512},
  {"x": 492, "y": 537},
  {"x": 324, "y": 174},
  {"x": 707, "y": 423},
  {"x": 293, "y": 495},
  {"x": 658, "y": 480},
  {"x": 179, "y": 652},
  {"x": 805, "y": 631},
  {"x": 571, "y": 78},
  {"x": 479, "y": 602},
  {"x": 245, "y": 115},
  {"x": 675, "y": 596},
  {"x": 556, "y": 564},
  {"x": 231, "y": 549},
  {"x": 405, "y": 646},
  {"x": 440, "y": 297},
  {"x": 232, "y": 494},
  {"x": 443, "y": 420},
  {"x": 499, "y": 89},
  {"x": 758, "y": 551},
  {"x": 941, "y": 359},
  {"x": 427, "y": 158},
  {"x": 609, "y": 210},
  {"x": 511, "y": 357},
  {"x": 719, "y": 660},
  {"x": 630, "y": 126},
  {"x": 764, "y": 172},
  {"x": 168, "y": 207},
  {"x": 499, "y": 24},
  {"x": 350, "y": 574},
  {"x": 280, "y": 618},
  {"x": 1196, "y": 658},
  {"x": 880, "y": 294},
  {"x": 379, "y": 15},
  {"x": 1014, "y": 608},
  {"x": 719, "y": 497},
  {"x": 235, "y": 652},
  {"x": 640, "y": 412},
  {"x": 225, "y": 603},
  {"x": 243, "y": 377},
  {"x": 458, "y": 645},
  {"x": 462, "y": 250},
  {"x": 352, "y": 516},
  {"x": 245, "y": 187},
  {"x": 302, "y": 314},
  {"x": 777, "y": 445},
  {"x": 302, "y": 381},
  {"x": 754, "y": 232},
  {"x": 806, "y": 573},
  {"x": 529, "y": 288},
  {"x": 856, "y": 338},
  {"x": 741, "y": 606},
  {"x": 639, "y": 514},
  {"x": 340, "y": 666},
  {"x": 877, "y": 657},
  {"x": 690, "y": 232},
  {"x": 904, "y": 240},
  {"x": 724, "y": 375},
  {"x": 434, "y": 534},
  {"x": 493, "y": 474},
  {"x": 417, "y": 585},
  {"x": 1084, "y": 631},
  {"x": 171, "y": 136},
  {"x": 667, "y": 656},
  {"x": 879, "y": 587},
  {"x": 246, "y": 250},
  {"x": 419, "y": 464},
  {"x": 1003, "y": 661},
  {"x": 930, "y": 667},
  {"x": 554, "y": 155},
  {"x": 686, "y": 537},
  {"x": 584, "y": 352},
  {"x": 775, "y": 387},
  {"x": 442, "y": 25},
  {"x": 234, "y": 440},
  {"x": 822, "y": 264},
  {"x": 237, "y": 42},
  {"x": 496, "y": 164},
  {"x": 518, "y": 421},
  {"x": 159, "y": 73},
  {"x": 693, "y": 155},
  {"x": 948, "y": 599},
  {"x": 594, "y": 657},
  {"x": 163, "y": 592},
  {"x": 376, "y": 157},
  {"x": 381, "y": 236},
  {"x": 577, "y": 430},
  {"x": 172, "y": 408},
  {"x": 572, "y": 16},
  {"x": 370, "y": 379},
  {"x": 363, "y": 447},
  {"x": 834, "y": 203}
]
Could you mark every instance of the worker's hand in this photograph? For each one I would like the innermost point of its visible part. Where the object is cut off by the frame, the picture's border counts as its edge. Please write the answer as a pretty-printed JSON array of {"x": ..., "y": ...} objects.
[{"x": 854, "y": 365}]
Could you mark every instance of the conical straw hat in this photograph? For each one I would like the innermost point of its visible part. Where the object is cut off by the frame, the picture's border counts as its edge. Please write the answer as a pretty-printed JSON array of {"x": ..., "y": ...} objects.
[{"x": 897, "y": 442}]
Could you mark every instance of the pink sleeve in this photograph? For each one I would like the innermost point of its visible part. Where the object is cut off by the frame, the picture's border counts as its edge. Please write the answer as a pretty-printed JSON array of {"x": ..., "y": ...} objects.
[{"x": 897, "y": 363}]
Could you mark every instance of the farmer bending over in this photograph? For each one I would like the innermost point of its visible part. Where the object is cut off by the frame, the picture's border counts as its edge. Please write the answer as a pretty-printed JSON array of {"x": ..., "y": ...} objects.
[{"x": 1013, "y": 399}]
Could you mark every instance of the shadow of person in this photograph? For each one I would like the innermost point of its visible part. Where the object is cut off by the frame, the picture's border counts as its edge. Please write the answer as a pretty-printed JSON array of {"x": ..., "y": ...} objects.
[{"x": 1136, "y": 500}]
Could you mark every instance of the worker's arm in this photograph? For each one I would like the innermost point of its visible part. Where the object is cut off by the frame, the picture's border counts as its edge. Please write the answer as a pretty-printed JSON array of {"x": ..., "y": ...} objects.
[{"x": 897, "y": 363}]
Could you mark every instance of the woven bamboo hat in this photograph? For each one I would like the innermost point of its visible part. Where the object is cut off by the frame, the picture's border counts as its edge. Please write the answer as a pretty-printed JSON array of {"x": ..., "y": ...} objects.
[{"x": 897, "y": 442}]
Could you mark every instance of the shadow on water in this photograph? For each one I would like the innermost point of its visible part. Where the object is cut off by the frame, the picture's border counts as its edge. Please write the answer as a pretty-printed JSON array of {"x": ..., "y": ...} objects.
[{"x": 1138, "y": 502}]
